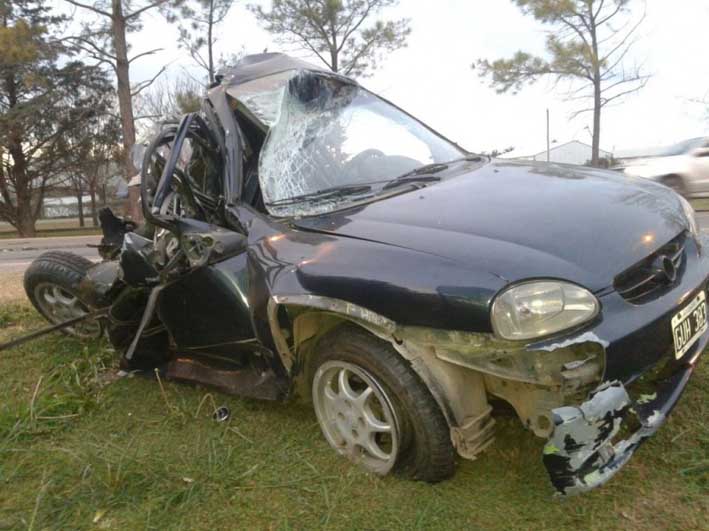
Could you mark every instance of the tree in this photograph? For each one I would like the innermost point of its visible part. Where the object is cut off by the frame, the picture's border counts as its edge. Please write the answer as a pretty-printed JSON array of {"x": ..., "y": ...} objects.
[
  {"x": 203, "y": 17},
  {"x": 40, "y": 102},
  {"x": 588, "y": 45},
  {"x": 93, "y": 149},
  {"x": 107, "y": 43},
  {"x": 342, "y": 33}
]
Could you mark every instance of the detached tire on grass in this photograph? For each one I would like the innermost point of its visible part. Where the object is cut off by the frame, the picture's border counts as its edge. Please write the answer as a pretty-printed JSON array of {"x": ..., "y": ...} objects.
[
  {"x": 52, "y": 285},
  {"x": 375, "y": 410}
]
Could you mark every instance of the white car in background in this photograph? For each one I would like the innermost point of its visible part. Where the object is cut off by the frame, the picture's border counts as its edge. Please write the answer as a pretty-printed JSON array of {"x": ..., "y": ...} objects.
[{"x": 683, "y": 167}]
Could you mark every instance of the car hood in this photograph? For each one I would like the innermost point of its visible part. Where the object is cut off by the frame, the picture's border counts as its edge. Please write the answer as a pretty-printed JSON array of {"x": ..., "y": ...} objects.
[{"x": 519, "y": 220}]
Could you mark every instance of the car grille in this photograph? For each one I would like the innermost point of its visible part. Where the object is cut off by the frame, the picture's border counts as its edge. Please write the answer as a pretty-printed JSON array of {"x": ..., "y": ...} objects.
[{"x": 642, "y": 282}]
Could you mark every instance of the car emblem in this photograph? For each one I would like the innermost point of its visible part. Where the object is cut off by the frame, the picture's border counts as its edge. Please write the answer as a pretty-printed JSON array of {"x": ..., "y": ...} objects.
[{"x": 664, "y": 269}]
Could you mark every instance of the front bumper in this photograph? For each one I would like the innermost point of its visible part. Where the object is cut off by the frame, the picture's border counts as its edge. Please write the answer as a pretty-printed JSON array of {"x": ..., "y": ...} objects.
[
  {"x": 582, "y": 452},
  {"x": 585, "y": 448}
]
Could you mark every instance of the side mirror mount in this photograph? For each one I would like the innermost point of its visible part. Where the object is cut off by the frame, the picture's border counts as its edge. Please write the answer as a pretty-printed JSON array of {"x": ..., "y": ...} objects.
[{"x": 203, "y": 243}]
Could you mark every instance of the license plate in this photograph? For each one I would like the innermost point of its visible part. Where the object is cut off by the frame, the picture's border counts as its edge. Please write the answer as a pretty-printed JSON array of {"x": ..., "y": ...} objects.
[{"x": 689, "y": 324}]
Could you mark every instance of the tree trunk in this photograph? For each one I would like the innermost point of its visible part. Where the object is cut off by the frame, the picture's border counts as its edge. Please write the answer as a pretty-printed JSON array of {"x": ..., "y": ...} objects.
[
  {"x": 334, "y": 58},
  {"x": 125, "y": 103},
  {"x": 25, "y": 220},
  {"x": 596, "y": 141},
  {"x": 595, "y": 144},
  {"x": 19, "y": 171},
  {"x": 210, "y": 50},
  {"x": 78, "y": 190},
  {"x": 94, "y": 215}
]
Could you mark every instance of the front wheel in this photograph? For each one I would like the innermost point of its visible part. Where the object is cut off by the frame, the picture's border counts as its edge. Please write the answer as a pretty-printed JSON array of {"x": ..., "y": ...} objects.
[
  {"x": 52, "y": 285},
  {"x": 375, "y": 410}
]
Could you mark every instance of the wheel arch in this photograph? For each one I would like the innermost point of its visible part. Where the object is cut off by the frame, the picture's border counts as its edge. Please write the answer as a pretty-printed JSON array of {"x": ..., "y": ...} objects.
[{"x": 311, "y": 317}]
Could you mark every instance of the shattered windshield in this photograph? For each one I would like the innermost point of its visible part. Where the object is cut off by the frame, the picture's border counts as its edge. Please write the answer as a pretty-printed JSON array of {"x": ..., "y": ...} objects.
[
  {"x": 263, "y": 96},
  {"x": 330, "y": 134}
]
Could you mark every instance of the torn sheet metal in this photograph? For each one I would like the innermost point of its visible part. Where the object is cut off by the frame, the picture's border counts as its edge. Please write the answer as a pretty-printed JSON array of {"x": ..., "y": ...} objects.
[
  {"x": 587, "y": 337},
  {"x": 571, "y": 367},
  {"x": 581, "y": 453}
]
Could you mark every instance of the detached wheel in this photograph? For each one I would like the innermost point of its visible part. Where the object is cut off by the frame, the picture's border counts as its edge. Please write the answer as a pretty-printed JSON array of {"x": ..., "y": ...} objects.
[
  {"x": 374, "y": 409},
  {"x": 52, "y": 285}
]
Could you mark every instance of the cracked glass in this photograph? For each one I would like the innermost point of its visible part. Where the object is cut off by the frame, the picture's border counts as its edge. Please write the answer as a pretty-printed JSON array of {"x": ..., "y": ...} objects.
[{"x": 330, "y": 132}]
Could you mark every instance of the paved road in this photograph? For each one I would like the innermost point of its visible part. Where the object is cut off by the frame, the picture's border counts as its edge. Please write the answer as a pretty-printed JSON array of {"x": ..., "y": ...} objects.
[{"x": 16, "y": 255}]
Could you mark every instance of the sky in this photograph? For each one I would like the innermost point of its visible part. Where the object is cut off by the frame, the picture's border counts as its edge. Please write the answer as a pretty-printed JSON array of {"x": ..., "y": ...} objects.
[{"x": 432, "y": 77}]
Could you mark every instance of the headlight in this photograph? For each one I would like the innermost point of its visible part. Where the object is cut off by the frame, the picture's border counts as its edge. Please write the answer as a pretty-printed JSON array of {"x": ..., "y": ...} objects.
[
  {"x": 541, "y": 308},
  {"x": 689, "y": 214}
]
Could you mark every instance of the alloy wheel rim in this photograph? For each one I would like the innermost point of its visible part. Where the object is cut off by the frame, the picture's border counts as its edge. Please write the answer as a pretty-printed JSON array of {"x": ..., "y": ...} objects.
[
  {"x": 60, "y": 305},
  {"x": 356, "y": 416}
]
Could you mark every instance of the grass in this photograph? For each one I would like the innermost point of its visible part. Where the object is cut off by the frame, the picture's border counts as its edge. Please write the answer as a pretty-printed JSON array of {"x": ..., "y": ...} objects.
[
  {"x": 80, "y": 449},
  {"x": 53, "y": 227},
  {"x": 85, "y": 231}
]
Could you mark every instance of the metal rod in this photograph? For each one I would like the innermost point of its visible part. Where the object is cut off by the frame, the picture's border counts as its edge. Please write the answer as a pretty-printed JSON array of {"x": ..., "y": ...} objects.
[{"x": 49, "y": 329}]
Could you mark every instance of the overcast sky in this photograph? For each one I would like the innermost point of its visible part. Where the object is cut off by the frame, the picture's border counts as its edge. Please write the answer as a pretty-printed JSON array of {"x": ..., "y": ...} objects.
[{"x": 432, "y": 78}]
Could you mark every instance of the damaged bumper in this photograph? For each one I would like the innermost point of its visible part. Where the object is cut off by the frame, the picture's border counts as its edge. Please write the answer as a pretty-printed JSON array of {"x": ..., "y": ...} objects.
[{"x": 584, "y": 450}]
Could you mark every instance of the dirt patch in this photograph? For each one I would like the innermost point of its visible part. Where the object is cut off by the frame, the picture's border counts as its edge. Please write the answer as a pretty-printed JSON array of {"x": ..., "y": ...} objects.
[{"x": 11, "y": 289}]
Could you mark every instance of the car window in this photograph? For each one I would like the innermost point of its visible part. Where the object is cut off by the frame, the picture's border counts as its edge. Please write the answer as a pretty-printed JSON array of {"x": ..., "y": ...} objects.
[
  {"x": 368, "y": 128},
  {"x": 331, "y": 133}
]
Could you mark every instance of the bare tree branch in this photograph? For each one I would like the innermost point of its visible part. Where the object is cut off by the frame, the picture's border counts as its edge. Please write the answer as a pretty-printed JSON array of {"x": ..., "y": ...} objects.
[
  {"x": 143, "y": 54},
  {"x": 145, "y": 84},
  {"x": 90, "y": 8},
  {"x": 138, "y": 12}
]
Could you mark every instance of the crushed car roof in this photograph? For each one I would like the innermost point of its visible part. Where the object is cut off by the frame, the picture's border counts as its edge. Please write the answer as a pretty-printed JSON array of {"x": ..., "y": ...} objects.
[{"x": 260, "y": 65}]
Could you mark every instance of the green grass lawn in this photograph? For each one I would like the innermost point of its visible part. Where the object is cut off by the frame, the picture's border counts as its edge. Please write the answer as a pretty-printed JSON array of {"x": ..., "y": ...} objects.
[
  {"x": 54, "y": 227},
  {"x": 86, "y": 231},
  {"x": 80, "y": 449}
]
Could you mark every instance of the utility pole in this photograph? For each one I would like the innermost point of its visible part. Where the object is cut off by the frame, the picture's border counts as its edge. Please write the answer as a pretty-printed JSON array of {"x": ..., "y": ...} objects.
[{"x": 548, "y": 154}]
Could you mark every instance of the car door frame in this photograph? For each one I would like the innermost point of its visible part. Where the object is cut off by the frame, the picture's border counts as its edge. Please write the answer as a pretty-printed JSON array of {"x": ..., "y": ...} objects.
[{"x": 207, "y": 310}]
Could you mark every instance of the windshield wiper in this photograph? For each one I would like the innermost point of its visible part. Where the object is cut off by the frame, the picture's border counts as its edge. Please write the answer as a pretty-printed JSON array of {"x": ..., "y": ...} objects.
[
  {"x": 422, "y": 174},
  {"x": 425, "y": 173},
  {"x": 326, "y": 193}
]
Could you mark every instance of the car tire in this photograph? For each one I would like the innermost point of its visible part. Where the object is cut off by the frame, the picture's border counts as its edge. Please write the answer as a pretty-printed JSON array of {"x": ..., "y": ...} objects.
[
  {"x": 419, "y": 447},
  {"x": 675, "y": 182},
  {"x": 52, "y": 286}
]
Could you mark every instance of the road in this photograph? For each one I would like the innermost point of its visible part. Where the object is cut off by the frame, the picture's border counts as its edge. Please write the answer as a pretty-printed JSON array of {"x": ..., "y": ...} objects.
[{"x": 17, "y": 254}]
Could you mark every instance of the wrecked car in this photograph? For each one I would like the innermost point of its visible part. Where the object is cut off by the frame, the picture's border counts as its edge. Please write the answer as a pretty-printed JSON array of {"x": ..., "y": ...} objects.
[{"x": 304, "y": 237}]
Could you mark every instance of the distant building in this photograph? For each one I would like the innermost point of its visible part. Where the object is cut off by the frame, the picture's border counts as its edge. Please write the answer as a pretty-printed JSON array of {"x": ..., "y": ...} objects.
[
  {"x": 63, "y": 207},
  {"x": 573, "y": 152}
]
